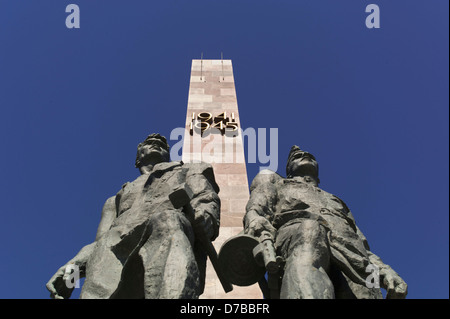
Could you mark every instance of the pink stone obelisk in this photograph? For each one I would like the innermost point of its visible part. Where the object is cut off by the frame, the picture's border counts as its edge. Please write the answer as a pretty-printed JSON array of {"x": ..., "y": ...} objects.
[{"x": 212, "y": 104}]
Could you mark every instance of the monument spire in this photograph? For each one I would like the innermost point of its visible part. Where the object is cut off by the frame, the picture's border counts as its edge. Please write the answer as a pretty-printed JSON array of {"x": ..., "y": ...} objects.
[{"x": 213, "y": 136}]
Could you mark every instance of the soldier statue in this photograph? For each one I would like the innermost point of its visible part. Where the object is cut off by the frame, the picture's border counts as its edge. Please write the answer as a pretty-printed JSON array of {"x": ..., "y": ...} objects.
[
  {"x": 146, "y": 245},
  {"x": 320, "y": 251}
]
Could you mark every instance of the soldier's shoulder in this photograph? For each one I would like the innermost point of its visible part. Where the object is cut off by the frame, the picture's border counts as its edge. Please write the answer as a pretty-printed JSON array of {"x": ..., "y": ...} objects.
[
  {"x": 265, "y": 177},
  {"x": 336, "y": 199},
  {"x": 198, "y": 167},
  {"x": 332, "y": 196},
  {"x": 204, "y": 169},
  {"x": 110, "y": 201}
]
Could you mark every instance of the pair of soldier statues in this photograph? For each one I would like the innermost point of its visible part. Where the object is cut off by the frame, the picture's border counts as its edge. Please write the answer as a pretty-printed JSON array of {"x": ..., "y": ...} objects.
[{"x": 150, "y": 242}]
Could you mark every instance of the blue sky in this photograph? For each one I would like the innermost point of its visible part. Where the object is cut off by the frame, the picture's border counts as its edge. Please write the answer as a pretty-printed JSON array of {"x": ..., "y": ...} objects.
[{"x": 370, "y": 104}]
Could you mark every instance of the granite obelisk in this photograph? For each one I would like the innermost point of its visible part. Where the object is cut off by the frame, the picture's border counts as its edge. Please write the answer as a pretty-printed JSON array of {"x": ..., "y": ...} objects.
[{"x": 213, "y": 136}]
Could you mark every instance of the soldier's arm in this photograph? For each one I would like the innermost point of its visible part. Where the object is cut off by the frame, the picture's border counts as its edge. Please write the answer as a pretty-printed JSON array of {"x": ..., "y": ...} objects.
[
  {"x": 109, "y": 213},
  {"x": 205, "y": 201},
  {"x": 395, "y": 286},
  {"x": 108, "y": 216},
  {"x": 56, "y": 285},
  {"x": 261, "y": 205}
]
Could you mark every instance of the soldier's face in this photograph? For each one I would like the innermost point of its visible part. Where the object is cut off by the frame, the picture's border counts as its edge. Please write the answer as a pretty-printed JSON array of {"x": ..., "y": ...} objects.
[
  {"x": 303, "y": 163},
  {"x": 153, "y": 152}
]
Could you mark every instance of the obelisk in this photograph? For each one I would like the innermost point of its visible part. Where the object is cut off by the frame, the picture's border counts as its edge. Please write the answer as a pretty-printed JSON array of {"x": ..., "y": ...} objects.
[{"x": 213, "y": 135}]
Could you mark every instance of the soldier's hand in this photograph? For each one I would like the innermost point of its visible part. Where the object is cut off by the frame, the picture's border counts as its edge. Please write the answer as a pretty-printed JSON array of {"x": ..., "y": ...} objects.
[
  {"x": 395, "y": 286},
  {"x": 259, "y": 224},
  {"x": 57, "y": 285},
  {"x": 205, "y": 220}
]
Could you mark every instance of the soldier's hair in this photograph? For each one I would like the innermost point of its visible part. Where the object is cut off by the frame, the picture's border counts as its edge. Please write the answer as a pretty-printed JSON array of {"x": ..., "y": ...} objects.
[
  {"x": 294, "y": 150},
  {"x": 148, "y": 140}
]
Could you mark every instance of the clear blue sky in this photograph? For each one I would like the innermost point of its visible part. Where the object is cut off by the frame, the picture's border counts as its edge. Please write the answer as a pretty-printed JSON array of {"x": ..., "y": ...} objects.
[{"x": 371, "y": 104}]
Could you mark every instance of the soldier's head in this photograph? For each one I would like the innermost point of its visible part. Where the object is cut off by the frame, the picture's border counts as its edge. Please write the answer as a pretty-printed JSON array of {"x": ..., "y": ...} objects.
[
  {"x": 153, "y": 150},
  {"x": 301, "y": 163}
]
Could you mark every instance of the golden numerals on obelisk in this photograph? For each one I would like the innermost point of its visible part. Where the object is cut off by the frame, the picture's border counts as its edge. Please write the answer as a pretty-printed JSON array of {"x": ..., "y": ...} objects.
[{"x": 204, "y": 123}]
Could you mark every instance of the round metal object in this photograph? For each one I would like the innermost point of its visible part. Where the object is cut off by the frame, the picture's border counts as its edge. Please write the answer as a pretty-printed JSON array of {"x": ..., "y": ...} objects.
[{"x": 237, "y": 262}]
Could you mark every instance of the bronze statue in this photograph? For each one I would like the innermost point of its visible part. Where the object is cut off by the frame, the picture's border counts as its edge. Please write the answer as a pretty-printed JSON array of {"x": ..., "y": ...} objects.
[
  {"x": 146, "y": 244},
  {"x": 317, "y": 249}
]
